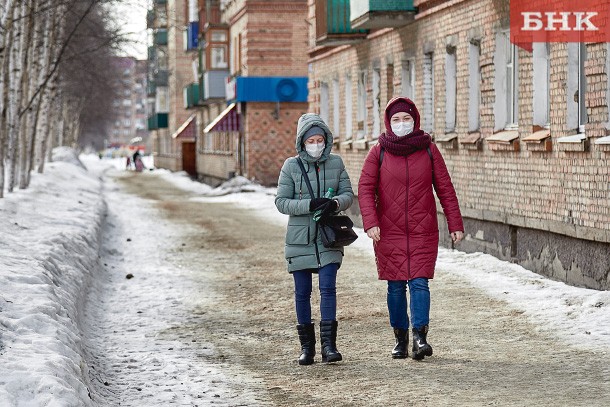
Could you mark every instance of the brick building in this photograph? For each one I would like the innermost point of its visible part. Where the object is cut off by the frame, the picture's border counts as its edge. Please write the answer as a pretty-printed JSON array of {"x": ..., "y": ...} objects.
[
  {"x": 524, "y": 134},
  {"x": 170, "y": 71},
  {"x": 252, "y": 86},
  {"x": 129, "y": 125}
]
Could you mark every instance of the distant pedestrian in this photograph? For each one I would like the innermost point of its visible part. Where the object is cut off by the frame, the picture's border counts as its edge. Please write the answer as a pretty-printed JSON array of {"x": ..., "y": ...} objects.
[
  {"x": 128, "y": 163},
  {"x": 395, "y": 193},
  {"x": 305, "y": 254}
]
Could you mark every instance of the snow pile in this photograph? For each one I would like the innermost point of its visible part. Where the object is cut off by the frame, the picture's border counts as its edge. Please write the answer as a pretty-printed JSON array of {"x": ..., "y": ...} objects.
[
  {"x": 236, "y": 185},
  {"x": 68, "y": 155},
  {"x": 49, "y": 240}
]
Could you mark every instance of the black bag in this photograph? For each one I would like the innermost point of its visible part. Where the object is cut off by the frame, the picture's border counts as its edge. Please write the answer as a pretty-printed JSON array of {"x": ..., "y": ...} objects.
[{"x": 335, "y": 231}]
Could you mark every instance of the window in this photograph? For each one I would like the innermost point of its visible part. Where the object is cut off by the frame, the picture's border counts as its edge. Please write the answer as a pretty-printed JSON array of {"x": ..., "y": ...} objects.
[
  {"x": 450, "y": 89},
  {"x": 336, "y": 107},
  {"x": 348, "y": 107},
  {"x": 408, "y": 78},
  {"x": 428, "y": 68},
  {"x": 582, "y": 87},
  {"x": 324, "y": 102},
  {"x": 126, "y": 102},
  {"x": 577, "y": 109},
  {"x": 506, "y": 83},
  {"x": 361, "y": 113},
  {"x": 541, "y": 78},
  {"x": 127, "y": 122},
  {"x": 376, "y": 102},
  {"x": 512, "y": 85},
  {"x": 474, "y": 85},
  {"x": 218, "y": 56},
  {"x": 162, "y": 100}
]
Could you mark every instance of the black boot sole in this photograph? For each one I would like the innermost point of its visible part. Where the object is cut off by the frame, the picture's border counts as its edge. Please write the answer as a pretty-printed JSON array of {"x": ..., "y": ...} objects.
[
  {"x": 400, "y": 355},
  {"x": 421, "y": 353},
  {"x": 306, "y": 362},
  {"x": 332, "y": 358}
]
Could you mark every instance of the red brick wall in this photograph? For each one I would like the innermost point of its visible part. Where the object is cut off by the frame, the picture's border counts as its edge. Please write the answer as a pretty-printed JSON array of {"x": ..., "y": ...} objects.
[
  {"x": 561, "y": 190},
  {"x": 270, "y": 139}
]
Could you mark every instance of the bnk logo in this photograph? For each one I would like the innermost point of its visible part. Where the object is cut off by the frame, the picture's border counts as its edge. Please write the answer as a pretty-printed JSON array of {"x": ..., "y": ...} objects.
[{"x": 559, "y": 21}]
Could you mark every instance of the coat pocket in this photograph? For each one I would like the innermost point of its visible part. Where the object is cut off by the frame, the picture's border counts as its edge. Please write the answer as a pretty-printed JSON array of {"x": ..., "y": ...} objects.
[{"x": 298, "y": 231}]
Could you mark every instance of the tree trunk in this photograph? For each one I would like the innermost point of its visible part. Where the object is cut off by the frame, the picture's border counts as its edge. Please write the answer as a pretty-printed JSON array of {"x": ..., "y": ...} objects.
[
  {"x": 28, "y": 66},
  {"x": 15, "y": 92}
]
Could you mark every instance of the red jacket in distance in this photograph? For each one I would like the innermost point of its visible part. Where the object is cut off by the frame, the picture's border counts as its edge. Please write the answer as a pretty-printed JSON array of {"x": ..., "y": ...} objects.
[{"x": 398, "y": 197}]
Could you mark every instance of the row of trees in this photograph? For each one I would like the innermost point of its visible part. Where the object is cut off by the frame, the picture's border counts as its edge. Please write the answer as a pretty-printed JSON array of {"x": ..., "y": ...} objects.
[{"x": 56, "y": 80}]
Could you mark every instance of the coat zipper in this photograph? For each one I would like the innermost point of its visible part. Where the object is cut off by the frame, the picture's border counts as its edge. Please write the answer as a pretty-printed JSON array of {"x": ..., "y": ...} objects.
[
  {"x": 407, "y": 221},
  {"x": 315, "y": 237}
]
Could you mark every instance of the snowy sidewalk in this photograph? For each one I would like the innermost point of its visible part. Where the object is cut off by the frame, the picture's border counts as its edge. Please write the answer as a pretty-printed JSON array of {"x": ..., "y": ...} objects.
[{"x": 50, "y": 237}]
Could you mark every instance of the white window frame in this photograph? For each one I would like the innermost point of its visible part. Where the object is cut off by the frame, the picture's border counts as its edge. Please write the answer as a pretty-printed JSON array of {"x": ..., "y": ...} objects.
[
  {"x": 428, "y": 84},
  {"x": 336, "y": 107},
  {"x": 541, "y": 84},
  {"x": 348, "y": 107},
  {"x": 376, "y": 102},
  {"x": 324, "y": 102},
  {"x": 450, "y": 89},
  {"x": 512, "y": 85},
  {"x": 582, "y": 87},
  {"x": 408, "y": 78},
  {"x": 474, "y": 86},
  {"x": 362, "y": 111}
]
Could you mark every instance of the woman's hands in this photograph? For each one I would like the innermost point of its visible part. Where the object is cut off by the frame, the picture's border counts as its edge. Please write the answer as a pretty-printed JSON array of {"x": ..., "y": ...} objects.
[
  {"x": 317, "y": 203},
  {"x": 457, "y": 236},
  {"x": 374, "y": 233}
]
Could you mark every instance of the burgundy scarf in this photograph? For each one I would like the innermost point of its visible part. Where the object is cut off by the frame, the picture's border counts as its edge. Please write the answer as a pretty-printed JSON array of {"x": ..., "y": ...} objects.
[{"x": 403, "y": 146}]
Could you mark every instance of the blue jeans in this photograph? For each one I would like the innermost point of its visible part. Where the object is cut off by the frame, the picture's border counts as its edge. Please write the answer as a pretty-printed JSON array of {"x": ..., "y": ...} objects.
[
  {"x": 420, "y": 303},
  {"x": 328, "y": 293}
]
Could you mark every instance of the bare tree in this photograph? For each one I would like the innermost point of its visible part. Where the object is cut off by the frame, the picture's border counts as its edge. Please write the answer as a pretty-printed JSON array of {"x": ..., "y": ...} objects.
[{"x": 57, "y": 82}]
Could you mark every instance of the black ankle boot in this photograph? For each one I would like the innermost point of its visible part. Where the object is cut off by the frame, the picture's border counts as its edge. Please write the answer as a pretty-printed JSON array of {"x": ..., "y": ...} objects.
[
  {"x": 307, "y": 336},
  {"x": 328, "y": 340},
  {"x": 421, "y": 347},
  {"x": 402, "y": 339}
]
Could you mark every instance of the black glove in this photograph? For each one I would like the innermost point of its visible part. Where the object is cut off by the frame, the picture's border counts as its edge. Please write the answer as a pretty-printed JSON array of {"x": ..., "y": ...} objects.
[
  {"x": 328, "y": 209},
  {"x": 317, "y": 203}
]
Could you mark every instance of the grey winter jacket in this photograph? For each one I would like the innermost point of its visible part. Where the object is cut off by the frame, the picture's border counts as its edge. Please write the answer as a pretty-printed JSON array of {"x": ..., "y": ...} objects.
[{"x": 304, "y": 249}]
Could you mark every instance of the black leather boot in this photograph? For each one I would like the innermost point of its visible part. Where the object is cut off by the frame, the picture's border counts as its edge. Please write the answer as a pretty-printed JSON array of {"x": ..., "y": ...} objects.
[
  {"x": 328, "y": 340},
  {"x": 421, "y": 347},
  {"x": 307, "y": 336},
  {"x": 402, "y": 339}
]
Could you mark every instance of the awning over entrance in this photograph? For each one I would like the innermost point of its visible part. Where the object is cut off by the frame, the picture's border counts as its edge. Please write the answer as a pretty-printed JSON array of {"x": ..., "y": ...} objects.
[
  {"x": 187, "y": 130},
  {"x": 228, "y": 120}
]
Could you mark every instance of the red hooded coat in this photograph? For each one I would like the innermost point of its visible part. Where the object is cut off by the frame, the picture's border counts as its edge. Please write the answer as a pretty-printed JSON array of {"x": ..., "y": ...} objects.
[{"x": 398, "y": 198}]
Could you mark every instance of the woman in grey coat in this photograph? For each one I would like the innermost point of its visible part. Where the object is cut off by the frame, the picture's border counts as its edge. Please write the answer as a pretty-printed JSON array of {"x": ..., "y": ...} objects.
[{"x": 305, "y": 254}]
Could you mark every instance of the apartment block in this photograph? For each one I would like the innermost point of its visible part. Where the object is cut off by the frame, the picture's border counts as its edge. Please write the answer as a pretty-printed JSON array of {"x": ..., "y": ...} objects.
[
  {"x": 525, "y": 134},
  {"x": 252, "y": 58},
  {"x": 129, "y": 127}
]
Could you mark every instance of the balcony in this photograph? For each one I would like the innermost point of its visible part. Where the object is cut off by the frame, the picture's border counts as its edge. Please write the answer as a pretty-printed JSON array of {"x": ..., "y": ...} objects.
[
  {"x": 150, "y": 19},
  {"x": 152, "y": 54},
  {"x": 160, "y": 2},
  {"x": 161, "y": 77},
  {"x": 191, "y": 96},
  {"x": 151, "y": 88},
  {"x": 209, "y": 14},
  {"x": 333, "y": 26},
  {"x": 374, "y": 14},
  {"x": 157, "y": 121},
  {"x": 213, "y": 84},
  {"x": 191, "y": 39},
  {"x": 267, "y": 89},
  {"x": 160, "y": 37}
]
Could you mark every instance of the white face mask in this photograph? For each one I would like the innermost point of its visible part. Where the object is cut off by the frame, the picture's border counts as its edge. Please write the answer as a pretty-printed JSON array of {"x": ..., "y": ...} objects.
[
  {"x": 403, "y": 128},
  {"x": 315, "y": 150}
]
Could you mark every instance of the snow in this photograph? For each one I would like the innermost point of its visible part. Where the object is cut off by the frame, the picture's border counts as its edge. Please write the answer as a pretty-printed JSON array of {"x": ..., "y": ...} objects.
[{"x": 50, "y": 235}]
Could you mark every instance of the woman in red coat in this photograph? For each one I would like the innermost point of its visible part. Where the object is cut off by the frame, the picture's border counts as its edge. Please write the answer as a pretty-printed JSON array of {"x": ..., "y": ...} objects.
[{"x": 396, "y": 199}]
